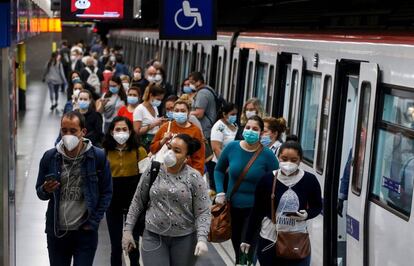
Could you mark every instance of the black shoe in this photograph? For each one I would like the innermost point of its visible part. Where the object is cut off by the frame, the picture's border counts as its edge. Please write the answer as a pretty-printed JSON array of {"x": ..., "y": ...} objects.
[
  {"x": 52, "y": 107},
  {"x": 55, "y": 105}
]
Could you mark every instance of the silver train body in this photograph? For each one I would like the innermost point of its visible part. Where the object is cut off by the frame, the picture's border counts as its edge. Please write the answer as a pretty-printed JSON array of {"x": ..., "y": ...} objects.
[{"x": 349, "y": 98}]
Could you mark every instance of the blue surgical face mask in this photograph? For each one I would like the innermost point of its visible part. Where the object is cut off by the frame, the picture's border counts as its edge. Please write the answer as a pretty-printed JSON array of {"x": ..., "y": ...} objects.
[
  {"x": 155, "y": 103},
  {"x": 181, "y": 118},
  {"x": 77, "y": 79},
  {"x": 113, "y": 89},
  {"x": 83, "y": 104},
  {"x": 250, "y": 136},
  {"x": 132, "y": 100},
  {"x": 232, "y": 119},
  {"x": 169, "y": 115},
  {"x": 265, "y": 140},
  {"x": 187, "y": 89}
]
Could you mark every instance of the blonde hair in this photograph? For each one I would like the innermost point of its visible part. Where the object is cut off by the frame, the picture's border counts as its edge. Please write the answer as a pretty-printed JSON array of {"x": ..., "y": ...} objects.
[
  {"x": 184, "y": 99},
  {"x": 154, "y": 90},
  {"x": 257, "y": 105},
  {"x": 278, "y": 125}
]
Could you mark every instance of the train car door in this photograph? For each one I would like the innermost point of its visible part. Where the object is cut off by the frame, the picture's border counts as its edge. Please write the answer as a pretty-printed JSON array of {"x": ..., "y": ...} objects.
[
  {"x": 358, "y": 164},
  {"x": 388, "y": 223},
  {"x": 264, "y": 88},
  {"x": 238, "y": 76},
  {"x": 221, "y": 66},
  {"x": 249, "y": 83},
  {"x": 291, "y": 103}
]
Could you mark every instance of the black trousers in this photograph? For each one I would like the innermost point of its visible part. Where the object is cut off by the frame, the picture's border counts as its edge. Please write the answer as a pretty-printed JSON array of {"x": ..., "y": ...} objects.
[
  {"x": 239, "y": 223},
  {"x": 123, "y": 191}
]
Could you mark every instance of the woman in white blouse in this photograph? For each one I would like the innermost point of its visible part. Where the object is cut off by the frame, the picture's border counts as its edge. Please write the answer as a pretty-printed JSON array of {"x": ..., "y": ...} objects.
[
  {"x": 146, "y": 116},
  {"x": 223, "y": 132}
]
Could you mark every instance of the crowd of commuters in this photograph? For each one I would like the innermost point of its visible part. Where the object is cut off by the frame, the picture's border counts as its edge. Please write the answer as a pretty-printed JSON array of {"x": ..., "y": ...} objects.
[{"x": 153, "y": 158}]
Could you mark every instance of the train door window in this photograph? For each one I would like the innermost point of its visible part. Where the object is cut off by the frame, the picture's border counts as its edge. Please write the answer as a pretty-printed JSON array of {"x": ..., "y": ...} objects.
[
  {"x": 393, "y": 168},
  {"x": 223, "y": 76},
  {"x": 323, "y": 131},
  {"x": 259, "y": 90},
  {"x": 309, "y": 115},
  {"x": 287, "y": 104},
  {"x": 232, "y": 95},
  {"x": 249, "y": 79},
  {"x": 219, "y": 74},
  {"x": 270, "y": 87},
  {"x": 361, "y": 140}
]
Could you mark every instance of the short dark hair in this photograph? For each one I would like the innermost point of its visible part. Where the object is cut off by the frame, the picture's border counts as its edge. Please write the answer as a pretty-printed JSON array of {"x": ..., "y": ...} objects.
[
  {"x": 171, "y": 98},
  {"x": 258, "y": 120},
  {"x": 109, "y": 142},
  {"x": 75, "y": 114},
  {"x": 197, "y": 76},
  {"x": 292, "y": 143},
  {"x": 193, "y": 144}
]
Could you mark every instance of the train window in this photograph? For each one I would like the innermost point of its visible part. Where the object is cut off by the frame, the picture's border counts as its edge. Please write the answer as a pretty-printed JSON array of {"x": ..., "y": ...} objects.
[
  {"x": 260, "y": 84},
  {"x": 361, "y": 139},
  {"x": 270, "y": 87},
  {"x": 291, "y": 90},
  {"x": 309, "y": 115},
  {"x": 323, "y": 131},
  {"x": 393, "y": 171},
  {"x": 219, "y": 74},
  {"x": 249, "y": 79}
]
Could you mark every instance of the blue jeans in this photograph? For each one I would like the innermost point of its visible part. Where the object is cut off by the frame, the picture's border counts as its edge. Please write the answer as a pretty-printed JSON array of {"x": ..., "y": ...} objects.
[
  {"x": 269, "y": 258},
  {"x": 79, "y": 244},
  {"x": 53, "y": 91}
]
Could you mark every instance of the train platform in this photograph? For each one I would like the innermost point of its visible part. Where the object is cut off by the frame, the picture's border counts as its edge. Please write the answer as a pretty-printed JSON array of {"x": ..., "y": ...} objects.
[{"x": 38, "y": 128}]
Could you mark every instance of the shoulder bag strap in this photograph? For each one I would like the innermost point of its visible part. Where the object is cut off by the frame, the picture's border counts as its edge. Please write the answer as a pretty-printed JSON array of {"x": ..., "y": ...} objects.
[
  {"x": 272, "y": 198},
  {"x": 245, "y": 170}
]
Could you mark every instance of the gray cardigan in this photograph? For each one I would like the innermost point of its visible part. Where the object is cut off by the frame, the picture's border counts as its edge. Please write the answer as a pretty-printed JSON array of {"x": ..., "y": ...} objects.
[
  {"x": 179, "y": 204},
  {"x": 55, "y": 74}
]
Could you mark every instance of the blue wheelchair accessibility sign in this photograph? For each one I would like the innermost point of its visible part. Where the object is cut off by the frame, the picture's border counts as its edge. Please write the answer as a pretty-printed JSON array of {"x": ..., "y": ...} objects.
[{"x": 188, "y": 20}]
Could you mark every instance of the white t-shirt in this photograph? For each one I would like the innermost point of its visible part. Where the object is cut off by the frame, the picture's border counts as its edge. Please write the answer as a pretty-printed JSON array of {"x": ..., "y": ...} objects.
[
  {"x": 142, "y": 114},
  {"x": 222, "y": 133}
]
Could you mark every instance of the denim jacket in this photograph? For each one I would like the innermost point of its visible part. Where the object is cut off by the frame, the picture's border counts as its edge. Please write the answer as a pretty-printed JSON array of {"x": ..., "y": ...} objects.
[{"x": 97, "y": 187}]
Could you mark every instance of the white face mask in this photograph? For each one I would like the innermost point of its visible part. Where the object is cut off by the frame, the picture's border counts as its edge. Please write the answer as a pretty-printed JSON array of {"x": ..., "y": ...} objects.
[
  {"x": 137, "y": 75},
  {"x": 126, "y": 85},
  {"x": 250, "y": 114},
  {"x": 151, "y": 78},
  {"x": 158, "y": 78},
  {"x": 170, "y": 159},
  {"x": 76, "y": 93},
  {"x": 288, "y": 168},
  {"x": 70, "y": 142},
  {"x": 121, "y": 137}
]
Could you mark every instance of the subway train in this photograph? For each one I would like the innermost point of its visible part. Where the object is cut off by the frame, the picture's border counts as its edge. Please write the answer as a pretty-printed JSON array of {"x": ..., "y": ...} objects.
[{"x": 350, "y": 100}]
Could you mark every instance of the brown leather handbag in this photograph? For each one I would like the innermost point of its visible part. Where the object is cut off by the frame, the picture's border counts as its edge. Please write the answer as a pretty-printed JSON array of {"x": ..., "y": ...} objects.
[
  {"x": 220, "y": 227},
  {"x": 289, "y": 245}
]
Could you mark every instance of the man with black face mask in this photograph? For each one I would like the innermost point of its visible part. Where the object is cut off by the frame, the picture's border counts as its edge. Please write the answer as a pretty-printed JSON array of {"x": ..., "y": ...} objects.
[{"x": 76, "y": 180}]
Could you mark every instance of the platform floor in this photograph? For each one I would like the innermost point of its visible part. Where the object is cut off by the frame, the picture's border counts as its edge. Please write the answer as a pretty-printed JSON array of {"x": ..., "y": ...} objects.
[{"x": 38, "y": 128}]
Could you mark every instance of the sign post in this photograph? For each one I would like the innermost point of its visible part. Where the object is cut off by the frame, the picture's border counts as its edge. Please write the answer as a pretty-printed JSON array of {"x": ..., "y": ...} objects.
[{"x": 188, "y": 20}]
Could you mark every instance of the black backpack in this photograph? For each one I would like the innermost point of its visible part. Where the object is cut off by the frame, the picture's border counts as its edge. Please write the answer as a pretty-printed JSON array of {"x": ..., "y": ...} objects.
[
  {"x": 140, "y": 224},
  {"x": 220, "y": 102}
]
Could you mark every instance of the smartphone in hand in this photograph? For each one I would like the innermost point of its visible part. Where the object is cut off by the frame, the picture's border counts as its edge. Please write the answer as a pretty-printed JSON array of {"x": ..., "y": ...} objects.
[{"x": 288, "y": 214}]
